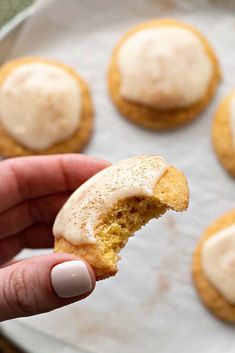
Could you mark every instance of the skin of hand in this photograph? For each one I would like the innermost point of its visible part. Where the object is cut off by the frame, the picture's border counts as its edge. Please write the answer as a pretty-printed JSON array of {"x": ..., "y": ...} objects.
[{"x": 32, "y": 190}]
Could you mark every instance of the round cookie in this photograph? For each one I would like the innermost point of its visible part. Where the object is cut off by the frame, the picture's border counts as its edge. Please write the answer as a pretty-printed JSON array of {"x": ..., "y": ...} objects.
[
  {"x": 98, "y": 219},
  {"x": 212, "y": 297},
  {"x": 152, "y": 117},
  {"x": 11, "y": 147},
  {"x": 222, "y": 134}
]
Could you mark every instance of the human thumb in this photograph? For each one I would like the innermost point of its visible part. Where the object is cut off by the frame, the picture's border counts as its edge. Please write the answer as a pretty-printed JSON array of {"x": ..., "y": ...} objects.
[{"x": 43, "y": 283}]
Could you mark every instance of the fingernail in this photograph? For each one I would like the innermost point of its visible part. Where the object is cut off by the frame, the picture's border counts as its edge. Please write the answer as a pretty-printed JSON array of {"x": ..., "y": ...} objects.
[{"x": 71, "y": 279}]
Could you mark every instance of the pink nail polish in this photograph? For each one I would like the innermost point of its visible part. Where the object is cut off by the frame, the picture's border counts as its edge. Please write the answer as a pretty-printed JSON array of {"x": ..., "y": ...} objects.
[{"x": 71, "y": 279}]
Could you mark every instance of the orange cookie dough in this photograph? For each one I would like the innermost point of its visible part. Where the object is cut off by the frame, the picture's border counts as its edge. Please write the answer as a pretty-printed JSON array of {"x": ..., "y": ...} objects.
[
  {"x": 13, "y": 147},
  {"x": 222, "y": 134},
  {"x": 104, "y": 212},
  {"x": 160, "y": 117},
  {"x": 211, "y": 296}
]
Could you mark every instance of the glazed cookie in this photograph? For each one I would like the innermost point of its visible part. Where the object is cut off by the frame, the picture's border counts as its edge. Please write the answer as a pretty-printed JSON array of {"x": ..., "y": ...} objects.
[
  {"x": 214, "y": 267},
  {"x": 97, "y": 220},
  {"x": 163, "y": 73},
  {"x": 223, "y": 133},
  {"x": 45, "y": 108}
]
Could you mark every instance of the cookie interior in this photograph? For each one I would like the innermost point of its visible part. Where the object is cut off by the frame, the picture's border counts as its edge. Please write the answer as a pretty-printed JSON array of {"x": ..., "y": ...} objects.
[{"x": 113, "y": 229}]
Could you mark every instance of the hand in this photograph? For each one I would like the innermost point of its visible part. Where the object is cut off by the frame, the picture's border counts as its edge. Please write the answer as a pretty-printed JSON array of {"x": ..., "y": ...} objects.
[{"x": 32, "y": 190}]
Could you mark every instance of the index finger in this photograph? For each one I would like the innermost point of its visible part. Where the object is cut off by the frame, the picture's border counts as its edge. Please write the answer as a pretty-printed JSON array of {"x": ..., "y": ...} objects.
[{"x": 25, "y": 178}]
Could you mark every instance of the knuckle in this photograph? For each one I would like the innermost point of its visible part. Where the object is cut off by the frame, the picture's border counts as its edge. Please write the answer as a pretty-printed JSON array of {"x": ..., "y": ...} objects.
[
  {"x": 6, "y": 307},
  {"x": 22, "y": 290}
]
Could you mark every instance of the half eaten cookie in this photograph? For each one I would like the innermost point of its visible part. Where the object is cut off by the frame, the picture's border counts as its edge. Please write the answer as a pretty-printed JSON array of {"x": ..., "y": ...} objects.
[{"x": 99, "y": 217}]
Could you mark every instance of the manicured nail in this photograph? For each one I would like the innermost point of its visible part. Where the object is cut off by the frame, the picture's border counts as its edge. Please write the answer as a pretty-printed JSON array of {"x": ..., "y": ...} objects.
[{"x": 71, "y": 279}]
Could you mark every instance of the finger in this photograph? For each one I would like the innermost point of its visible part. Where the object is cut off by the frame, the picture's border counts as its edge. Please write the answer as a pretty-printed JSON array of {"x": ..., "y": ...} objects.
[
  {"x": 38, "y": 236},
  {"x": 23, "y": 215},
  {"x": 42, "y": 284},
  {"x": 29, "y": 177},
  {"x": 10, "y": 262}
]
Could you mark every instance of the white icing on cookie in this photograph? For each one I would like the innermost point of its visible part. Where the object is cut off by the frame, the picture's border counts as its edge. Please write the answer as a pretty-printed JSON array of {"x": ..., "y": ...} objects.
[
  {"x": 136, "y": 176},
  {"x": 164, "y": 67},
  {"x": 218, "y": 262},
  {"x": 40, "y": 105}
]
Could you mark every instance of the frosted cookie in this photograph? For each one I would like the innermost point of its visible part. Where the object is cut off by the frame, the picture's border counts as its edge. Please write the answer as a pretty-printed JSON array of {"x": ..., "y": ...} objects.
[
  {"x": 223, "y": 133},
  {"x": 45, "y": 107},
  {"x": 163, "y": 73},
  {"x": 97, "y": 220},
  {"x": 214, "y": 267}
]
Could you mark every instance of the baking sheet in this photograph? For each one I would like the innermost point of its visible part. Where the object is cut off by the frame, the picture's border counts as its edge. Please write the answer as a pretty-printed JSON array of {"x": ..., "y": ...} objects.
[{"x": 151, "y": 305}]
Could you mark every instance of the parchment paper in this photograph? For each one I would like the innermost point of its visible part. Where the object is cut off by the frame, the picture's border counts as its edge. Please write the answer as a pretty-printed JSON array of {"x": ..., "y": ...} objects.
[{"x": 151, "y": 305}]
